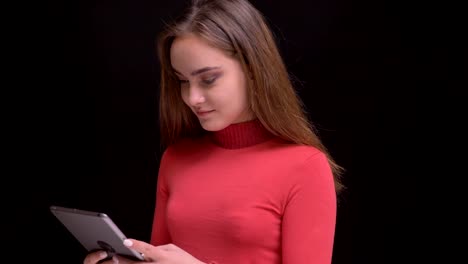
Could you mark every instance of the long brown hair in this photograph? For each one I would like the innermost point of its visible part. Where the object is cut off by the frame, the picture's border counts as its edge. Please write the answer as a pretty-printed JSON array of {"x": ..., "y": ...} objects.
[{"x": 239, "y": 29}]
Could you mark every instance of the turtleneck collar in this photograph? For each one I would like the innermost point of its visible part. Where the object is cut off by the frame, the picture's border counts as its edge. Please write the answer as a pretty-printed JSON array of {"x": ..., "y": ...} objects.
[{"x": 241, "y": 135}]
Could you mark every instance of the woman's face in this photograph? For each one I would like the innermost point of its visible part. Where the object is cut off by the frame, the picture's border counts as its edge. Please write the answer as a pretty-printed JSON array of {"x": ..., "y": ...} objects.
[{"x": 212, "y": 84}]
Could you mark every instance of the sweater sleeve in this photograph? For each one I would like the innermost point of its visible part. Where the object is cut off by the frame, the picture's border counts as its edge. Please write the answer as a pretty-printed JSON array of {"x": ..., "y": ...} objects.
[
  {"x": 309, "y": 219},
  {"x": 159, "y": 233}
]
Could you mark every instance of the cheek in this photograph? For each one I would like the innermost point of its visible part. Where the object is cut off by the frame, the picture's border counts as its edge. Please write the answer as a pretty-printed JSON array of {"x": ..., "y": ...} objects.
[{"x": 240, "y": 95}]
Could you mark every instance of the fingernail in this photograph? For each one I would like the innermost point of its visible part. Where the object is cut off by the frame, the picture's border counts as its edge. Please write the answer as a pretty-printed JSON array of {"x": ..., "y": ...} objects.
[
  {"x": 103, "y": 254},
  {"x": 115, "y": 260},
  {"x": 128, "y": 243}
]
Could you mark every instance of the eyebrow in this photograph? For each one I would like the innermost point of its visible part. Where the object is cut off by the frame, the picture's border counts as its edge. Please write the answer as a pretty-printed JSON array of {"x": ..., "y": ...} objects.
[{"x": 199, "y": 71}]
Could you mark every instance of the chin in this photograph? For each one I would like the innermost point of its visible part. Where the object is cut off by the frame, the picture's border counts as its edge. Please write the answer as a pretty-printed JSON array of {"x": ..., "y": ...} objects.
[{"x": 211, "y": 125}]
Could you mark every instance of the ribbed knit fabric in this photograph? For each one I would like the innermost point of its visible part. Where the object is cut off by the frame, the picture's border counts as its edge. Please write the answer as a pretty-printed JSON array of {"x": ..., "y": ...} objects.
[
  {"x": 242, "y": 196},
  {"x": 241, "y": 135}
]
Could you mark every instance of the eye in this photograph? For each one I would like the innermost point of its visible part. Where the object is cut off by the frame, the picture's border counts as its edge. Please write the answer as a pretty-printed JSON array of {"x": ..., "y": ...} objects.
[
  {"x": 182, "y": 82},
  {"x": 210, "y": 80}
]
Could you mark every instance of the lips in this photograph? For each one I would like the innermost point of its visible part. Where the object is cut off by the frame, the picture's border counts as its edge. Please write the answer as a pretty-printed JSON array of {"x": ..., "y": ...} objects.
[{"x": 202, "y": 113}]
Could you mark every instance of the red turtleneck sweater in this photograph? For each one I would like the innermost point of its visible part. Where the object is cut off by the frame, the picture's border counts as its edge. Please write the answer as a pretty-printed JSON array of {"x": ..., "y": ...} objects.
[{"x": 241, "y": 195}]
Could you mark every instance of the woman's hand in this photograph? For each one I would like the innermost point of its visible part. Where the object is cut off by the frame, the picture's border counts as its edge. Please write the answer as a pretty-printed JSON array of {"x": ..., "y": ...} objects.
[
  {"x": 96, "y": 257},
  {"x": 164, "y": 254}
]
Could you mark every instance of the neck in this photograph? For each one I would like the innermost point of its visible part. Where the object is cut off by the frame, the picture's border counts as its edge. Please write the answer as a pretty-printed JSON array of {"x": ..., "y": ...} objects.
[{"x": 241, "y": 135}]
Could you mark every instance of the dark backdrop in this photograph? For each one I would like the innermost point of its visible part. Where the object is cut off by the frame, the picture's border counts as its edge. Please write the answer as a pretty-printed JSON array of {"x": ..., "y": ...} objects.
[{"x": 361, "y": 67}]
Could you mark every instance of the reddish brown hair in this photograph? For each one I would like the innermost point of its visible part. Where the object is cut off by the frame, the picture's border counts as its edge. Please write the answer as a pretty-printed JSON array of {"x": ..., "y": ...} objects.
[{"x": 239, "y": 29}]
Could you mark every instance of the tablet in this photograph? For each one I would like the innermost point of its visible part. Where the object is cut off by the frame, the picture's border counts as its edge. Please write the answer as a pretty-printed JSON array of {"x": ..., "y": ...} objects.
[{"x": 95, "y": 231}]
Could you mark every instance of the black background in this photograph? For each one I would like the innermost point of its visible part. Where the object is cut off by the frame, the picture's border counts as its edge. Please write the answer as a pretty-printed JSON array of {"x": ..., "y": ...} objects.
[{"x": 374, "y": 76}]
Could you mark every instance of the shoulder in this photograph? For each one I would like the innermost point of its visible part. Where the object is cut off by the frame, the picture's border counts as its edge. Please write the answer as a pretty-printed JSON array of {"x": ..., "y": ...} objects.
[
  {"x": 184, "y": 147},
  {"x": 182, "y": 144},
  {"x": 296, "y": 152},
  {"x": 302, "y": 161},
  {"x": 300, "y": 171},
  {"x": 179, "y": 153}
]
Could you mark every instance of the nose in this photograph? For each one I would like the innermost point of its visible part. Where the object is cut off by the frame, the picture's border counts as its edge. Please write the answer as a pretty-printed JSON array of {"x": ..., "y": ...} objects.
[{"x": 195, "y": 95}]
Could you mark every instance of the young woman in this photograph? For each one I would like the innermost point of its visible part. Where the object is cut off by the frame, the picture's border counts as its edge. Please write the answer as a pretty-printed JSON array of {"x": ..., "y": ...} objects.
[{"x": 243, "y": 178}]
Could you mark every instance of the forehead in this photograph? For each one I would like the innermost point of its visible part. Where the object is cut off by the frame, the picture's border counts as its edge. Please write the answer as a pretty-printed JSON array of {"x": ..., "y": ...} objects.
[{"x": 189, "y": 53}]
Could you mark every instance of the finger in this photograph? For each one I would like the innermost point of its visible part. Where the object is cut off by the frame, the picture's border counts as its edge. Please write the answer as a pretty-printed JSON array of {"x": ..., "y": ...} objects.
[
  {"x": 95, "y": 257},
  {"x": 111, "y": 261},
  {"x": 138, "y": 245},
  {"x": 122, "y": 260},
  {"x": 146, "y": 249}
]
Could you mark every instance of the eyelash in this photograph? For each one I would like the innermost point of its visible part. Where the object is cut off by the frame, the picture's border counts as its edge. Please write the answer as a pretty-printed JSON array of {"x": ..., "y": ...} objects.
[
  {"x": 209, "y": 81},
  {"x": 205, "y": 82}
]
